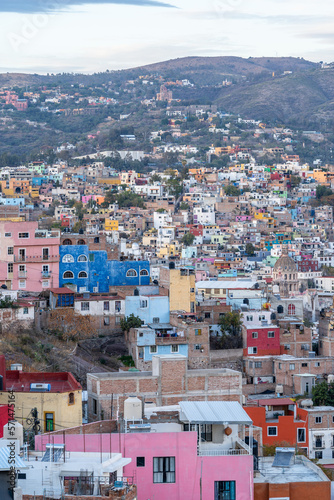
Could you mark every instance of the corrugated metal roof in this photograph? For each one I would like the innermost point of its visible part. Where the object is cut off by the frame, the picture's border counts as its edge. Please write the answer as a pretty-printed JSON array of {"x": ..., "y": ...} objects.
[
  {"x": 5, "y": 460},
  {"x": 213, "y": 412}
]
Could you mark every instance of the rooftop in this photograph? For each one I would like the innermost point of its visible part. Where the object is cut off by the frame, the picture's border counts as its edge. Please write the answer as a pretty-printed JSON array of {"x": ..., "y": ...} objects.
[
  {"x": 59, "y": 382},
  {"x": 213, "y": 412},
  {"x": 302, "y": 470}
]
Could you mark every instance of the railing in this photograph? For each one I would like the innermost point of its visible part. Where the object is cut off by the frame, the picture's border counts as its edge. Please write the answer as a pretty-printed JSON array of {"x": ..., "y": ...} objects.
[
  {"x": 36, "y": 258},
  {"x": 46, "y": 274},
  {"x": 22, "y": 274},
  {"x": 214, "y": 450}
]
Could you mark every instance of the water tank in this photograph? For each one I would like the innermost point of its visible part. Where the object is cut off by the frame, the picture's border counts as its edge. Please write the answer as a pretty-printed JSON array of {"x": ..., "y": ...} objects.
[
  {"x": 133, "y": 408},
  {"x": 279, "y": 389},
  {"x": 330, "y": 379},
  {"x": 16, "y": 366},
  {"x": 13, "y": 430}
]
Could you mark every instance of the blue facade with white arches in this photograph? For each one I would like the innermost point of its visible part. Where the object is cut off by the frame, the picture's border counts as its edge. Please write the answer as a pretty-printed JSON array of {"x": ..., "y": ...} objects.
[{"x": 91, "y": 271}]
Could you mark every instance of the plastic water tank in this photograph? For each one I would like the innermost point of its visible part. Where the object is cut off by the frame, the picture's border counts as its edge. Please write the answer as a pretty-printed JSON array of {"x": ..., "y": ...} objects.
[
  {"x": 17, "y": 433},
  {"x": 133, "y": 408}
]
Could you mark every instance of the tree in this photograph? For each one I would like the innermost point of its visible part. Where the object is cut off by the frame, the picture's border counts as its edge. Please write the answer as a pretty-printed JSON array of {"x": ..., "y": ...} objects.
[
  {"x": 230, "y": 326},
  {"x": 184, "y": 206},
  {"x": 323, "y": 191},
  {"x": 131, "y": 321},
  {"x": 188, "y": 239},
  {"x": 323, "y": 394},
  {"x": 232, "y": 191},
  {"x": 250, "y": 249}
]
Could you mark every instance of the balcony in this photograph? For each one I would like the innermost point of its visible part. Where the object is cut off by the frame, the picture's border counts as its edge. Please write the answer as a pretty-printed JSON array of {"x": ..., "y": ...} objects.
[
  {"x": 47, "y": 234},
  {"x": 22, "y": 274},
  {"x": 46, "y": 274},
  {"x": 36, "y": 258},
  {"x": 170, "y": 339}
]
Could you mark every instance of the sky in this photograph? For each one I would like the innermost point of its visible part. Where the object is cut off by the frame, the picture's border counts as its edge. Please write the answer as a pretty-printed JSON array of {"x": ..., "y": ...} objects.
[{"x": 52, "y": 36}]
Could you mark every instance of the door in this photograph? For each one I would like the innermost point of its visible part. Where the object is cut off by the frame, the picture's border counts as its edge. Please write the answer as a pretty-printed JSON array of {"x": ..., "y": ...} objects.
[
  {"x": 45, "y": 254},
  {"x": 49, "y": 422},
  {"x": 22, "y": 254}
]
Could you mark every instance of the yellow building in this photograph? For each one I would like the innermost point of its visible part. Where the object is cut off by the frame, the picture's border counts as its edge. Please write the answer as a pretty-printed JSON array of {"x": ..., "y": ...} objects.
[
  {"x": 111, "y": 225},
  {"x": 181, "y": 286},
  {"x": 168, "y": 251},
  {"x": 14, "y": 187},
  {"x": 56, "y": 396}
]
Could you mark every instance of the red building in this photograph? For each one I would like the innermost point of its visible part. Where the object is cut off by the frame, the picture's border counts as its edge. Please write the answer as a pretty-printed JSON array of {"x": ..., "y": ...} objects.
[
  {"x": 282, "y": 422},
  {"x": 261, "y": 340}
]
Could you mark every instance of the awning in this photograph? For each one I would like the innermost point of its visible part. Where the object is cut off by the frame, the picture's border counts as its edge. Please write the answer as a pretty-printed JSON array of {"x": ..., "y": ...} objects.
[{"x": 213, "y": 412}]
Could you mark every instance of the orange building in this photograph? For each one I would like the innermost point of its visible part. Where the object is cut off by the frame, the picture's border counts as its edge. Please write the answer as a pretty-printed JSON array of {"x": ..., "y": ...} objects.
[{"x": 282, "y": 422}]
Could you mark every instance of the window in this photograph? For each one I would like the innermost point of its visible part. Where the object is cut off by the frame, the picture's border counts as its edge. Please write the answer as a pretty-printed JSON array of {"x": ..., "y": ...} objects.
[
  {"x": 117, "y": 320},
  {"x": 22, "y": 283},
  {"x": 317, "y": 364},
  {"x": 143, "y": 272},
  {"x": 153, "y": 349},
  {"x": 249, "y": 318},
  {"x": 252, "y": 350},
  {"x": 96, "y": 239},
  {"x": 118, "y": 306},
  {"x": 82, "y": 258},
  {"x": 318, "y": 442},
  {"x": 25, "y": 310},
  {"x": 71, "y": 398},
  {"x": 280, "y": 309},
  {"x": 258, "y": 364},
  {"x": 174, "y": 348},
  {"x": 143, "y": 304},
  {"x": 156, "y": 320},
  {"x": 304, "y": 365},
  {"x": 255, "y": 335},
  {"x": 318, "y": 420},
  {"x": 287, "y": 347},
  {"x": 10, "y": 267},
  {"x": 207, "y": 315},
  {"x": 68, "y": 275},
  {"x": 23, "y": 235},
  {"x": 140, "y": 461},
  {"x": 198, "y": 331},
  {"x": 164, "y": 470},
  {"x": 94, "y": 406},
  {"x": 68, "y": 259},
  {"x": 82, "y": 274},
  {"x": 106, "y": 320},
  {"x": 301, "y": 435},
  {"x": 84, "y": 306},
  {"x": 106, "y": 306},
  {"x": 67, "y": 242},
  {"x": 291, "y": 366},
  {"x": 318, "y": 455},
  {"x": 291, "y": 309},
  {"x": 81, "y": 242},
  {"x": 198, "y": 347},
  {"x": 206, "y": 432},
  {"x": 21, "y": 475},
  {"x": 225, "y": 490},
  {"x": 131, "y": 273},
  {"x": 272, "y": 431},
  {"x": 91, "y": 257},
  {"x": 271, "y": 335},
  {"x": 8, "y": 235},
  {"x": 10, "y": 250},
  {"x": 45, "y": 269},
  {"x": 192, "y": 290},
  {"x": 250, "y": 364}
]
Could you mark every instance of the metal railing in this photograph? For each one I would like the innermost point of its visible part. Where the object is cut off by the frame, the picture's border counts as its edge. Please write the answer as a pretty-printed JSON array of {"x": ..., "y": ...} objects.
[
  {"x": 36, "y": 258},
  {"x": 214, "y": 450}
]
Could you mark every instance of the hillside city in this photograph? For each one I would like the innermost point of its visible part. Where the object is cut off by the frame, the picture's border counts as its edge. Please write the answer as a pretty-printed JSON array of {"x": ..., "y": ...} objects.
[{"x": 166, "y": 290}]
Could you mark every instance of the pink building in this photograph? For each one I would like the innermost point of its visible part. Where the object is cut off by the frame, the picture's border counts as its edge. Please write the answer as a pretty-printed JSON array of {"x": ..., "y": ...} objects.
[
  {"x": 29, "y": 256},
  {"x": 200, "y": 453}
]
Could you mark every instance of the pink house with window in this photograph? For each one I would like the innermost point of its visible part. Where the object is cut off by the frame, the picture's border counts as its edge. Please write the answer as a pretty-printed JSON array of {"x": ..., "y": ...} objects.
[
  {"x": 29, "y": 256},
  {"x": 201, "y": 454}
]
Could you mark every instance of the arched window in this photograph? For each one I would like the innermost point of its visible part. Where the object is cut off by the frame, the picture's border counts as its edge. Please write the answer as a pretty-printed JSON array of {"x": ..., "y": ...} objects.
[
  {"x": 291, "y": 309},
  {"x": 82, "y": 274},
  {"x": 68, "y": 258},
  {"x": 67, "y": 242},
  {"x": 71, "y": 398},
  {"x": 280, "y": 310},
  {"x": 131, "y": 273},
  {"x": 81, "y": 242},
  {"x": 245, "y": 301},
  {"x": 273, "y": 316},
  {"x": 82, "y": 258},
  {"x": 68, "y": 275},
  {"x": 143, "y": 272}
]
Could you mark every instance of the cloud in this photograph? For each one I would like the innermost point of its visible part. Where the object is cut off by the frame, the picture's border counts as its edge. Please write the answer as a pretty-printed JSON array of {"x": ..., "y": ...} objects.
[{"x": 39, "y": 6}]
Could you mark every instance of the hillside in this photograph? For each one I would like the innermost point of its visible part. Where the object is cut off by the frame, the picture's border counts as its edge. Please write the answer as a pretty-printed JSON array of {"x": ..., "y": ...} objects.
[{"x": 302, "y": 98}]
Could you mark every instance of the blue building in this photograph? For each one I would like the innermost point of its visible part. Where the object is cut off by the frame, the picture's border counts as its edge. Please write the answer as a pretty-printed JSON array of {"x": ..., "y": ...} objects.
[
  {"x": 151, "y": 308},
  {"x": 91, "y": 271},
  {"x": 147, "y": 345}
]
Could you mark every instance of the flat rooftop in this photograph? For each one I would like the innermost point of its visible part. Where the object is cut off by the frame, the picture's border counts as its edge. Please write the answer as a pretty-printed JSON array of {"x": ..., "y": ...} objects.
[{"x": 302, "y": 470}]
